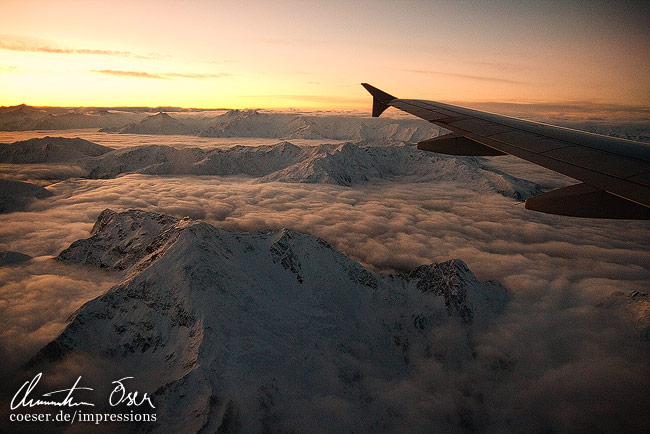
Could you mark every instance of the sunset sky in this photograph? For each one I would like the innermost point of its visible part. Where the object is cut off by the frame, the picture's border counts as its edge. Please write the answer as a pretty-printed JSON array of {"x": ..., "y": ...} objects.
[{"x": 313, "y": 54}]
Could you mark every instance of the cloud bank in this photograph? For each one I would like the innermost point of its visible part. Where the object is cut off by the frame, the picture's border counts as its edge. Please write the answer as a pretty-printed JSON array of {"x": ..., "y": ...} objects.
[{"x": 570, "y": 354}]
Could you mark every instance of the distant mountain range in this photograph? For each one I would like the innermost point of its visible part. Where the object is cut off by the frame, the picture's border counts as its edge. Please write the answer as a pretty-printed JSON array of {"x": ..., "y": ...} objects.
[
  {"x": 253, "y": 123},
  {"x": 25, "y": 118},
  {"x": 231, "y": 123},
  {"x": 339, "y": 164},
  {"x": 238, "y": 331},
  {"x": 259, "y": 123}
]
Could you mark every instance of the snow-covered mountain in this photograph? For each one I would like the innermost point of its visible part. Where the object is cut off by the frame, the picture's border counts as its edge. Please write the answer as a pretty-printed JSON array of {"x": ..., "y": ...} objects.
[
  {"x": 252, "y": 123},
  {"x": 21, "y": 117},
  {"x": 256, "y": 332},
  {"x": 16, "y": 195},
  {"x": 160, "y": 123},
  {"x": 24, "y": 118},
  {"x": 270, "y": 124},
  {"x": 77, "y": 120},
  {"x": 50, "y": 150},
  {"x": 348, "y": 164},
  {"x": 339, "y": 164},
  {"x": 232, "y": 123}
]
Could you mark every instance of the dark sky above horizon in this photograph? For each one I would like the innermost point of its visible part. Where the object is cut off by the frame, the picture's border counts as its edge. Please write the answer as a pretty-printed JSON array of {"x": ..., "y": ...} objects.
[{"x": 309, "y": 54}]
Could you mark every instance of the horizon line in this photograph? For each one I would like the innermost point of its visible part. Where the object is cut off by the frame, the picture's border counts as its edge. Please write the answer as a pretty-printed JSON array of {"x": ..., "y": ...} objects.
[{"x": 523, "y": 104}]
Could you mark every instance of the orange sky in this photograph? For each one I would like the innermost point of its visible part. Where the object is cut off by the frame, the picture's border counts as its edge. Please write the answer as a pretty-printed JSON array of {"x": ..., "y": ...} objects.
[{"x": 312, "y": 54}]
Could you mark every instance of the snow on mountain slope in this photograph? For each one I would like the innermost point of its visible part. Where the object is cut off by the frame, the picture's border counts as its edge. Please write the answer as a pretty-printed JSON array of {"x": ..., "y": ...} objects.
[
  {"x": 253, "y": 161},
  {"x": 233, "y": 123},
  {"x": 150, "y": 160},
  {"x": 339, "y": 164},
  {"x": 117, "y": 241},
  {"x": 20, "y": 117},
  {"x": 240, "y": 332},
  {"x": 16, "y": 195},
  {"x": 50, "y": 150},
  {"x": 77, "y": 120},
  {"x": 269, "y": 124},
  {"x": 348, "y": 164},
  {"x": 160, "y": 123},
  {"x": 24, "y": 118},
  {"x": 252, "y": 123}
]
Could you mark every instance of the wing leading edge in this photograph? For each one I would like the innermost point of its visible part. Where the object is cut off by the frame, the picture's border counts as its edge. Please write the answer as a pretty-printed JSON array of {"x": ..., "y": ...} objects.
[{"x": 615, "y": 173}]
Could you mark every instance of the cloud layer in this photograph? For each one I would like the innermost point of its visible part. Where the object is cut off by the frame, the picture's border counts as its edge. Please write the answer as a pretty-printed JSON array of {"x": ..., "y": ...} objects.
[{"x": 569, "y": 354}]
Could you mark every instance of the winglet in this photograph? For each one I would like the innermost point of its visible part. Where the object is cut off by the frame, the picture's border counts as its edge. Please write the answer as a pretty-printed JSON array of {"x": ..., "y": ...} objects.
[{"x": 380, "y": 99}]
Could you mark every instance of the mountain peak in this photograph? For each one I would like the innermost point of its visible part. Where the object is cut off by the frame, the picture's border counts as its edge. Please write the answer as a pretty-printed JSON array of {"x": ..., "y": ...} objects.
[
  {"x": 222, "y": 320},
  {"x": 119, "y": 240},
  {"x": 159, "y": 123}
]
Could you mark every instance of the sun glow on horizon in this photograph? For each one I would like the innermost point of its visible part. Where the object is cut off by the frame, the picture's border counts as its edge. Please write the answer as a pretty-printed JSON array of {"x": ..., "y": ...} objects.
[{"x": 288, "y": 55}]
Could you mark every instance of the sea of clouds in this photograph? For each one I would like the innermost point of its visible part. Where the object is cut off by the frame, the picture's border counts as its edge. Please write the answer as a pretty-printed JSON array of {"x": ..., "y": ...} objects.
[{"x": 575, "y": 340}]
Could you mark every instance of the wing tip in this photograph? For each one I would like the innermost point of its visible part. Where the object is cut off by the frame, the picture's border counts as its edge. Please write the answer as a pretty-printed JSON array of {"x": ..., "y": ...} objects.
[{"x": 380, "y": 99}]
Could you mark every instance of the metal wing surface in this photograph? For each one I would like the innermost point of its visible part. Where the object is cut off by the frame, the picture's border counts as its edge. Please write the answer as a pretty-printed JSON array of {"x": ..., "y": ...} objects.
[{"x": 614, "y": 173}]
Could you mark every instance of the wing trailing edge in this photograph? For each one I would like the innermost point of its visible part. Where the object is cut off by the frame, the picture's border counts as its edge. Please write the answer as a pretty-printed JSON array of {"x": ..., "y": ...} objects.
[
  {"x": 615, "y": 173},
  {"x": 582, "y": 200}
]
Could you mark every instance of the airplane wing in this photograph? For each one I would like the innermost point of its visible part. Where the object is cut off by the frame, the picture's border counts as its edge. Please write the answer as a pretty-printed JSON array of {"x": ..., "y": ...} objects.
[{"x": 614, "y": 173}]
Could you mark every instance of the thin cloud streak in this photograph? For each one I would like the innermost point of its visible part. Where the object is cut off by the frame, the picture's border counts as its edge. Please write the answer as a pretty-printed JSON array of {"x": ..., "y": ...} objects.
[
  {"x": 501, "y": 66},
  {"x": 159, "y": 76},
  {"x": 465, "y": 76},
  {"x": 34, "y": 47},
  {"x": 313, "y": 98}
]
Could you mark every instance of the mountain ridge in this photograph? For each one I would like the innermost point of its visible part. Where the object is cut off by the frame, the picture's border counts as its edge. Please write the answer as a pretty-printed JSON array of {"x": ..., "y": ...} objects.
[
  {"x": 342, "y": 164},
  {"x": 160, "y": 123},
  {"x": 223, "y": 321}
]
